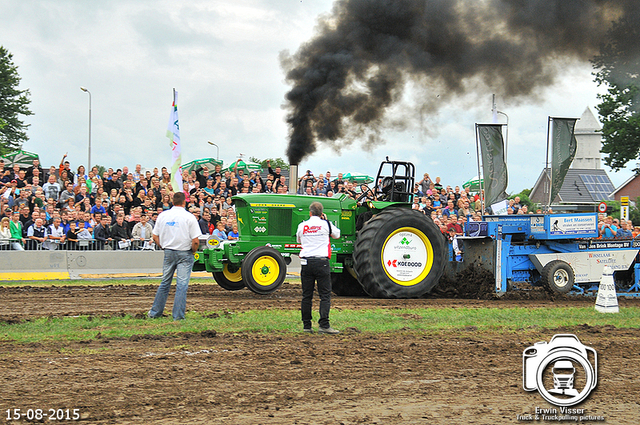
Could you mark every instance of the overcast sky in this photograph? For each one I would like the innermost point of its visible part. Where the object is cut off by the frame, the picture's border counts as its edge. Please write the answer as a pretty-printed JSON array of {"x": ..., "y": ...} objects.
[{"x": 222, "y": 58}]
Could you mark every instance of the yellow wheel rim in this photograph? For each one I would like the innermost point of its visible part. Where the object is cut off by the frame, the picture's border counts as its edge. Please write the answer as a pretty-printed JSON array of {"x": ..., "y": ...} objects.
[
  {"x": 232, "y": 276},
  {"x": 407, "y": 256},
  {"x": 265, "y": 270}
]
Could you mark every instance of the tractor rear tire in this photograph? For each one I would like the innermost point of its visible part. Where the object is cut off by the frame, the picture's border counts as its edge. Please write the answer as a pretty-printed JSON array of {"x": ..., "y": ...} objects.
[
  {"x": 345, "y": 284},
  {"x": 558, "y": 276},
  {"x": 263, "y": 270},
  {"x": 399, "y": 253},
  {"x": 230, "y": 278}
]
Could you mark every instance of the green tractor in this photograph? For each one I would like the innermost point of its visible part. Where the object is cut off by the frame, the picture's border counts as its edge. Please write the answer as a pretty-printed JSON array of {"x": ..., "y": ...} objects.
[{"x": 386, "y": 249}]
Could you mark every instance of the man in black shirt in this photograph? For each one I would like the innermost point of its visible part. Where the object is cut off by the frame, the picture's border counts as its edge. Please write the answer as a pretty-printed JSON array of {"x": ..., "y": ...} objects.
[
  {"x": 120, "y": 231},
  {"x": 102, "y": 233},
  {"x": 276, "y": 174}
]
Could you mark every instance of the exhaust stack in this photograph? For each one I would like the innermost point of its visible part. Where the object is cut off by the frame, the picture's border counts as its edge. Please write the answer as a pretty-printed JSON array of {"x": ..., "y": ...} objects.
[{"x": 293, "y": 179}]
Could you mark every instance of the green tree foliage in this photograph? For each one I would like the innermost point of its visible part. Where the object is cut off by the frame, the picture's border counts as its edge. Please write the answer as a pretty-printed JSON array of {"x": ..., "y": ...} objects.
[
  {"x": 13, "y": 103},
  {"x": 618, "y": 67},
  {"x": 613, "y": 209},
  {"x": 275, "y": 162},
  {"x": 524, "y": 199},
  {"x": 634, "y": 213},
  {"x": 101, "y": 169}
]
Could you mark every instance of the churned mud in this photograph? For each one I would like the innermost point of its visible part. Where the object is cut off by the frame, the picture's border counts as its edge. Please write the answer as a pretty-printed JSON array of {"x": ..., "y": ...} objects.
[{"x": 460, "y": 377}]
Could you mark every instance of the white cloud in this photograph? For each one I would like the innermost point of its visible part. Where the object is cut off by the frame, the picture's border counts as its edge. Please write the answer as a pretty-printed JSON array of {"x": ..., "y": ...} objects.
[{"x": 222, "y": 57}]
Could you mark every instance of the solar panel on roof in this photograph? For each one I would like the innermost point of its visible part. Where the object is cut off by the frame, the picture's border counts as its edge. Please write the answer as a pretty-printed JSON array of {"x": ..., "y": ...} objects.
[{"x": 599, "y": 186}]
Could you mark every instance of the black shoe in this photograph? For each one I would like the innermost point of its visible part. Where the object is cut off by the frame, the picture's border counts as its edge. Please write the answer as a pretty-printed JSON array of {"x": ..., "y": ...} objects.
[{"x": 328, "y": 330}]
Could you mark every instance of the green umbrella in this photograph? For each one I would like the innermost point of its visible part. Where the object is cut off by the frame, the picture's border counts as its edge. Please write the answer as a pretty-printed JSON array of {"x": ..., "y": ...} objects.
[
  {"x": 210, "y": 163},
  {"x": 23, "y": 158},
  {"x": 357, "y": 178},
  {"x": 247, "y": 167},
  {"x": 473, "y": 184}
]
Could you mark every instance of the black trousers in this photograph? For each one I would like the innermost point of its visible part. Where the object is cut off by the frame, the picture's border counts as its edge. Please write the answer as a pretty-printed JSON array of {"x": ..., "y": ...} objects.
[{"x": 316, "y": 270}]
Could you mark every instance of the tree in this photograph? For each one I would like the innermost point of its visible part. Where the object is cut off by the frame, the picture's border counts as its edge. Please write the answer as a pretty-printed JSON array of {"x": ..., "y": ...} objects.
[
  {"x": 13, "y": 103},
  {"x": 277, "y": 162},
  {"x": 634, "y": 212},
  {"x": 524, "y": 199},
  {"x": 618, "y": 66}
]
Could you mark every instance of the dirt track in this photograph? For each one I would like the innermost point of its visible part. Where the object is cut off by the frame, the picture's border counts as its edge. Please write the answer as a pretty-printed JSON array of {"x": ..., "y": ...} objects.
[{"x": 396, "y": 378}]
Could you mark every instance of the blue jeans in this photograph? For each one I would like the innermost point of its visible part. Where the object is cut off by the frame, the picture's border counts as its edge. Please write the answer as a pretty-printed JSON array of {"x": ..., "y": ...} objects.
[{"x": 180, "y": 262}]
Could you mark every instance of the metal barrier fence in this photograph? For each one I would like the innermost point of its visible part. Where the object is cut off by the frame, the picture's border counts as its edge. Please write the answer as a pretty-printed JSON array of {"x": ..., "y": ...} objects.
[{"x": 80, "y": 245}]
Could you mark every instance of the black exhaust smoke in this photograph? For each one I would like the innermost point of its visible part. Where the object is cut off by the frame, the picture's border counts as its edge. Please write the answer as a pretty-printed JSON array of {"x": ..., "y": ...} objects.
[{"x": 366, "y": 52}]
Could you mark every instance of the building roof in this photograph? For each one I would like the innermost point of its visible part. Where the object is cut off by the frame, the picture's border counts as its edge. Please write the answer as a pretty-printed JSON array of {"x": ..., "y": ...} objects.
[
  {"x": 580, "y": 186},
  {"x": 623, "y": 185}
]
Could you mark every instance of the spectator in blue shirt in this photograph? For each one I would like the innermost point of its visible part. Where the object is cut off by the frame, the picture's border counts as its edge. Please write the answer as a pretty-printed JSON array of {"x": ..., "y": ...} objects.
[
  {"x": 219, "y": 232},
  {"x": 624, "y": 232}
]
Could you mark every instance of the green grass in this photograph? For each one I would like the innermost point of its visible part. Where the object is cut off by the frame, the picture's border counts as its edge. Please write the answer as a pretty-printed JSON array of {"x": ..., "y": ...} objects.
[
  {"x": 109, "y": 281},
  {"x": 93, "y": 282},
  {"x": 288, "y": 321}
]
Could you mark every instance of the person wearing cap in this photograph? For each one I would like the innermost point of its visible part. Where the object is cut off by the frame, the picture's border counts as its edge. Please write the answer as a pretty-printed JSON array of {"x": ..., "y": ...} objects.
[
  {"x": 453, "y": 238},
  {"x": 11, "y": 192},
  {"x": 315, "y": 236}
]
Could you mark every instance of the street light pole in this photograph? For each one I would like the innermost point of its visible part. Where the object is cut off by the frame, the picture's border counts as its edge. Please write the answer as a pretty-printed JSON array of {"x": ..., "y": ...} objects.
[
  {"x": 494, "y": 110},
  {"x": 84, "y": 89},
  {"x": 506, "y": 142},
  {"x": 217, "y": 148}
]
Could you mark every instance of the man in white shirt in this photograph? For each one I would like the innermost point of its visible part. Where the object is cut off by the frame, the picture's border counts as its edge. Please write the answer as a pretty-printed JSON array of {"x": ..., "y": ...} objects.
[
  {"x": 177, "y": 232},
  {"x": 55, "y": 235},
  {"x": 314, "y": 236}
]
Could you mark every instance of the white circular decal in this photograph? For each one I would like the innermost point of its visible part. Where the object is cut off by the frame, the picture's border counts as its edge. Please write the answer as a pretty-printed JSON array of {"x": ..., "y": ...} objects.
[{"x": 404, "y": 256}]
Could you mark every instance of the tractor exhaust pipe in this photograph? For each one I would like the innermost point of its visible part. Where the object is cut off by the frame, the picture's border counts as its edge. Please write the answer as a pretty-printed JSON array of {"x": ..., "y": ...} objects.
[{"x": 293, "y": 179}]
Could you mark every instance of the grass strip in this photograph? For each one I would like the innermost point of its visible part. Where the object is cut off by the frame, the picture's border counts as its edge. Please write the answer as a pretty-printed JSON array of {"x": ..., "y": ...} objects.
[
  {"x": 109, "y": 281},
  {"x": 288, "y": 321}
]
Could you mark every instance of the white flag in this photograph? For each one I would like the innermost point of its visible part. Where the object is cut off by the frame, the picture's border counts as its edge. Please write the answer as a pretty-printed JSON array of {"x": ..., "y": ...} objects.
[{"x": 173, "y": 133}]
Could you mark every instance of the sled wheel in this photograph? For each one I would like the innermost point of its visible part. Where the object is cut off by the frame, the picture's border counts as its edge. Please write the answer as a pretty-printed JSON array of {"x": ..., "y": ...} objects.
[
  {"x": 230, "y": 278},
  {"x": 399, "y": 253},
  {"x": 558, "y": 276},
  {"x": 264, "y": 270}
]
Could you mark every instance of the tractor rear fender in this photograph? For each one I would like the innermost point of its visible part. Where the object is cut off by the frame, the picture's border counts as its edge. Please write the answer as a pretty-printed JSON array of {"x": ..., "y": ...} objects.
[{"x": 381, "y": 205}]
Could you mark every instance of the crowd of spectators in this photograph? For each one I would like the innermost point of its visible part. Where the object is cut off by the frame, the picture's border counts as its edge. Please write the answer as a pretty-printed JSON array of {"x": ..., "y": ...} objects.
[{"x": 42, "y": 209}]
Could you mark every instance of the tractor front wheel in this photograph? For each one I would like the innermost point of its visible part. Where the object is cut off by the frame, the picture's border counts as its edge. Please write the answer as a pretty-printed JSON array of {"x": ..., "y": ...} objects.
[{"x": 264, "y": 270}]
